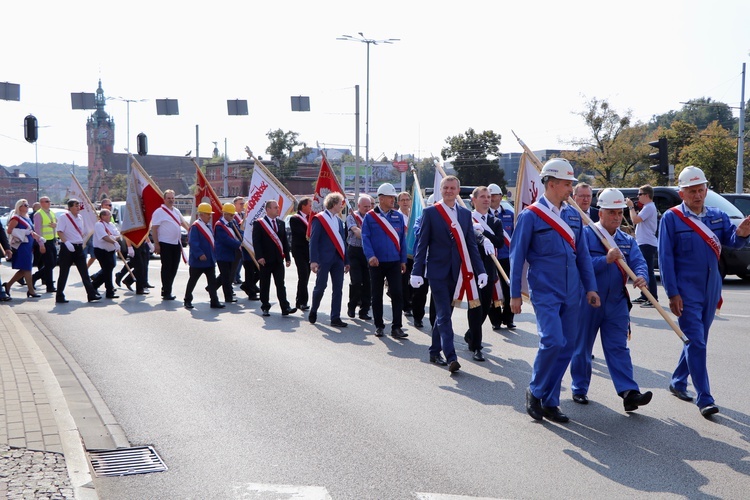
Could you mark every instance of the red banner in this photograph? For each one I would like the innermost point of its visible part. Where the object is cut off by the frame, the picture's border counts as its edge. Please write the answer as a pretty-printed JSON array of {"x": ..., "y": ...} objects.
[
  {"x": 205, "y": 193},
  {"x": 325, "y": 184}
]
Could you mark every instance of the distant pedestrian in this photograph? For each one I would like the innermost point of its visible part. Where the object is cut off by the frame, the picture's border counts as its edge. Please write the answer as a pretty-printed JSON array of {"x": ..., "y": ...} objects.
[
  {"x": 70, "y": 230},
  {"x": 359, "y": 269},
  {"x": 646, "y": 221},
  {"x": 298, "y": 226},
  {"x": 272, "y": 253}
]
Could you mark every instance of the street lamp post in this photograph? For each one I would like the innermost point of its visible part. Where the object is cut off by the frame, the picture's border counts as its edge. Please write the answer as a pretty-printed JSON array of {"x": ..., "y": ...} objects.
[
  {"x": 369, "y": 41},
  {"x": 128, "y": 101}
]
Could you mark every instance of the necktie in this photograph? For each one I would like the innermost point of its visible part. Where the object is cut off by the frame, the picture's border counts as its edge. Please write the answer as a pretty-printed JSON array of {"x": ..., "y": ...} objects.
[
  {"x": 273, "y": 222},
  {"x": 484, "y": 217}
]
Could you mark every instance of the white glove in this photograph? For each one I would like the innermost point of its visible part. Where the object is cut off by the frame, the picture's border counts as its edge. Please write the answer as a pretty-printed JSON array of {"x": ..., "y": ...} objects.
[
  {"x": 482, "y": 280},
  {"x": 131, "y": 252},
  {"x": 70, "y": 246},
  {"x": 416, "y": 281},
  {"x": 489, "y": 248},
  {"x": 478, "y": 229}
]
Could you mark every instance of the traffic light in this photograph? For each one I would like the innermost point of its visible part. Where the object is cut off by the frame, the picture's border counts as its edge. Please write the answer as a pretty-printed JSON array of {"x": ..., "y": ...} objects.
[
  {"x": 30, "y": 128},
  {"x": 661, "y": 157},
  {"x": 142, "y": 144}
]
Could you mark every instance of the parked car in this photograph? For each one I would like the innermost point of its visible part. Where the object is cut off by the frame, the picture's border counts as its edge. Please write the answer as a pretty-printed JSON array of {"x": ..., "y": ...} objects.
[
  {"x": 732, "y": 261},
  {"x": 741, "y": 201}
]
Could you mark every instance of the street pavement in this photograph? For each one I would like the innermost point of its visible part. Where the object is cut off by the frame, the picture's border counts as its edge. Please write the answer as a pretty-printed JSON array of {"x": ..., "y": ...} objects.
[{"x": 241, "y": 406}]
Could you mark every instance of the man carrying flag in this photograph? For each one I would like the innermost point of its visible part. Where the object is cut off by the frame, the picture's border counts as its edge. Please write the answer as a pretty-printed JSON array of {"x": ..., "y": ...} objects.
[
  {"x": 447, "y": 248},
  {"x": 549, "y": 235}
]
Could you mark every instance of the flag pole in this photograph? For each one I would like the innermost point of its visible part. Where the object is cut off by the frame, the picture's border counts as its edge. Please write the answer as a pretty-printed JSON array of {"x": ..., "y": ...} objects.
[
  {"x": 463, "y": 204},
  {"x": 644, "y": 289},
  {"x": 416, "y": 185}
]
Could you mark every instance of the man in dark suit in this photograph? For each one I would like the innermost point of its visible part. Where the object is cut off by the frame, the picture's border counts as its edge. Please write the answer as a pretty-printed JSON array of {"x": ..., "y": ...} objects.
[
  {"x": 301, "y": 249},
  {"x": 446, "y": 245},
  {"x": 489, "y": 234},
  {"x": 272, "y": 253},
  {"x": 328, "y": 256},
  {"x": 583, "y": 195}
]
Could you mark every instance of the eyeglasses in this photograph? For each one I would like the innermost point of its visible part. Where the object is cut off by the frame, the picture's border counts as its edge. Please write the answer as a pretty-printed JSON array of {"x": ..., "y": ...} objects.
[
  {"x": 641, "y": 194},
  {"x": 25, "y": 205},
  {"x": 45, "y": 201}
]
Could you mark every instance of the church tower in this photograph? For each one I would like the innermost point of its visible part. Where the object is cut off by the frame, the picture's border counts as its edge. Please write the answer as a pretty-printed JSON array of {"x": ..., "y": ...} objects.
[{"x": 100, "y": 137}]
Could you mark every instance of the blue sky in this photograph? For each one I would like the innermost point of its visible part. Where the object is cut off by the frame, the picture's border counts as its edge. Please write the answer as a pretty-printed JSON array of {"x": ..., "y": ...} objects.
[{"x": 490, "y": 65}]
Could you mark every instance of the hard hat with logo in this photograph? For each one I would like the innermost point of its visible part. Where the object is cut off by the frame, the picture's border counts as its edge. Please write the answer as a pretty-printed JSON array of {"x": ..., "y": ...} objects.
[
  {"x": 205, "y": 208},
  {"x": 430, "y": 200},
  {"x": 611, "y": 198},
  {"x": 559, "y": 168},
  {"x": 691, "y": 176},
  {"x": 228, "y": 208},
  {"x": 387, "y": 189},
  {"x": 494, "y": 189}
]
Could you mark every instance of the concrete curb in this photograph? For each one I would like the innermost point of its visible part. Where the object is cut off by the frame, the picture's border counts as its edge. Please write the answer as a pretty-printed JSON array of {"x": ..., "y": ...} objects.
[{"x": 76, "y": 461}]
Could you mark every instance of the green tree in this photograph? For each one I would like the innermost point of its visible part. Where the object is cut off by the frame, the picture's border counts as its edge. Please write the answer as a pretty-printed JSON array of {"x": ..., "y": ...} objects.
[
  {"x": 471, "y": 157},
  {"x": 715, "y": 151},
  {"x": 700, "y": 112},
  {"x": 118, "y": 187},
  {"x": 614, "y": 150},
  {"x": 282, "y": 152}
]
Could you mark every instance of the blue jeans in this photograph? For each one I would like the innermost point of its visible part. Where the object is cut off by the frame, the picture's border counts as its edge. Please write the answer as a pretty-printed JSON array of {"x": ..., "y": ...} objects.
[{"x": 649, "y": 253}]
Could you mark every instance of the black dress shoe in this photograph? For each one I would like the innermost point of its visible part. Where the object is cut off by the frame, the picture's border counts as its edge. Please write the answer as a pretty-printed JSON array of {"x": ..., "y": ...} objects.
[
  {"x": 553, "y": 413},
  {"x": 634, "y": 399},
  {"x": 681, "y": 394},
  {"x": 188, "y": 305},
  {"x": 533, "y": 406},
  {"x": 338, "y": 323},
  {"x": 454, "y": 366},
  {"x": 118, "y": 279},
  {"x": 51, "y": 289},
  {"x": 303, "y": 307},
  {"x": 141, "y": 292},
  {"x": 511, "y": 326},
  {"x": 438, "y": 360},
  {"x": 288, "y": 311},
  {"x": 264, "y": 312},
  {"x": 418, "y": 324},
  {"x": 497, "y": 327},
  {"x": 398, "y": 333},
  {"x": 231, "y": 301},
  {"x": 168, "y": 297},
  {"x": 379, "y": 332},
  {"x": 312, "y": 317},
  {"x": 218, "y": 305},
  {"x": 364, "y": 316},
  {"x": 351, "y": 312},
  {"x": 709, "y": 410},
  {"x": 478, "y": 355},
  {"x": 407, "y": 313},
  {"x": 128, "y": 283},
  {"x": 94, "y": 298},
  {"x": 112, "y": 296},
  {"x": 148, "y": 285},
  {"x": 581, "y": 399},
  {"x": 61, "y": 301}
]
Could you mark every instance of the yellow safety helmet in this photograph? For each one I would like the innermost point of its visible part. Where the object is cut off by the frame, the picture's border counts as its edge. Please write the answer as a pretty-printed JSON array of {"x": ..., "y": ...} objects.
[
  {"x": 205, "y": 208},
  {"x": 228, "y": 208}
]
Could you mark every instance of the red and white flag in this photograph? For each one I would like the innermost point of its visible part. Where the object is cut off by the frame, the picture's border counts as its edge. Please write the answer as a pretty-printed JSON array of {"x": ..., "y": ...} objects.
[
  {"x": 88, "y": 211},
  {"x": 144, "y": 197},
  {"x": 204, "y": 193},
  {"x": 528, "y": 190},
  {"x": 263, "y": 187},
  {"x": 326, "y": 183}
]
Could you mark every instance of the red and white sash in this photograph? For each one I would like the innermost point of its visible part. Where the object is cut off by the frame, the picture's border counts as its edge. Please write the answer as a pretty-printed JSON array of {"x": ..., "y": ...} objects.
[
  {"x": 703, "y": 231},
  {"x": 466, "y": 282},
  {"x": 230, "y": 231},
  {"x": 75, "y": 225},
  {"x": 357, "y": 218},
  {"x": 205, "y": 231},
  {"x": 554, "y": 220},
  {"x": 303, "y": 218},
  {"x": 332, "y": 229},
  {"x": 478, "y": 218},
  {"x": 603, "y": 233},
  {"x": 387, "y": 228},
  {"x": 272, "y": 234}
]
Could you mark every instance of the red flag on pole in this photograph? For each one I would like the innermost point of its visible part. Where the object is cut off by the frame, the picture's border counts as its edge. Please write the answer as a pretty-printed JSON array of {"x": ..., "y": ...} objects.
[
  {"x": 205, "y": 193},
  {"x": 326, "y": 183},
  {"x": 143, "y": 198}
]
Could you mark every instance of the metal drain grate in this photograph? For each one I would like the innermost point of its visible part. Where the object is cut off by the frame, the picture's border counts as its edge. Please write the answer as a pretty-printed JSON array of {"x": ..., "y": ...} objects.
[{"x": 126, "y": 461}]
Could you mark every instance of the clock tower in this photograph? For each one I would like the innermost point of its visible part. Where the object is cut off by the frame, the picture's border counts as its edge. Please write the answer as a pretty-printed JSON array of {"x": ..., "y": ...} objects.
[{"x": 100, "y": 137}]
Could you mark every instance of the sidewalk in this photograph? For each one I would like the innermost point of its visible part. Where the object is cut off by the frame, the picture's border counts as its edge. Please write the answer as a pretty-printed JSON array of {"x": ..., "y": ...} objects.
[{"x": 41, "y": 452}]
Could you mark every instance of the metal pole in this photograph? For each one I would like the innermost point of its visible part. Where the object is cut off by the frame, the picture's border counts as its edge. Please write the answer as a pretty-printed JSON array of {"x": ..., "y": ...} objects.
[
  {"x": 127, "y": 160},
  {"x": 368, "y": 169},
  {"x": 197, "y": 143},
  {"x": 356, "y": 143},
  {"x": 226, "y": 170},
  {"x": 738, "y": 184}
]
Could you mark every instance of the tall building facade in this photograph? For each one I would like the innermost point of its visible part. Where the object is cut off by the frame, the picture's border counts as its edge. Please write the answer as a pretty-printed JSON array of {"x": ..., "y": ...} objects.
[{"x": 100, "y": 137}]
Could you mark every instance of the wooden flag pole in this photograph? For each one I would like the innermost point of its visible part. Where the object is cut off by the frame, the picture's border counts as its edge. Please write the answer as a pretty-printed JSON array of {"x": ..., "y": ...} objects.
[{"x": 644, "y": 289}]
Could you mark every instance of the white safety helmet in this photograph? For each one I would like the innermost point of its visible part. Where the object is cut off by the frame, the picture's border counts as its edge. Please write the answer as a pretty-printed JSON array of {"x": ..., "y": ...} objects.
[
  {"x": 430, "y": 200},
  {"x": 387, "y": 189},
  {"x": 611, "y": 198},
  {"x": 691, "y": 176},
  {"x": 559, "y": 168},
  {"x": 494, "y": 189}
]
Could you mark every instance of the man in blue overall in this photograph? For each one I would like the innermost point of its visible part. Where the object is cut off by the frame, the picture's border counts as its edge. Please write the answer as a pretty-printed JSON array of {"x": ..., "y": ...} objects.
[
  {"x": 690, "y": 239},
  {"x": 549, "y": 236},
  {"x": 613, "y": 318}
]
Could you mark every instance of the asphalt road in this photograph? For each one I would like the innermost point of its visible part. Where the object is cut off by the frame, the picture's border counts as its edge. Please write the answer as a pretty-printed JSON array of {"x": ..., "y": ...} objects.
[{"x": 237, "y": 404}]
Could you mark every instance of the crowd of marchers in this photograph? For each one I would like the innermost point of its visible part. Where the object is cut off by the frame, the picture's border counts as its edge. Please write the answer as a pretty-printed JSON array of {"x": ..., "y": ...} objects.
[{"x": 569, "y": 259}]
